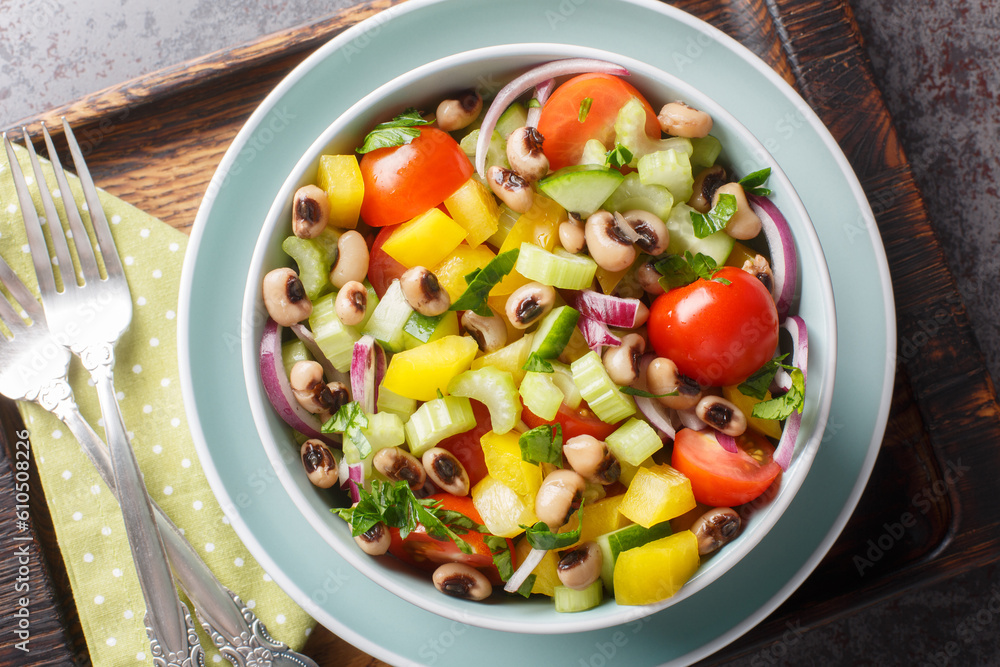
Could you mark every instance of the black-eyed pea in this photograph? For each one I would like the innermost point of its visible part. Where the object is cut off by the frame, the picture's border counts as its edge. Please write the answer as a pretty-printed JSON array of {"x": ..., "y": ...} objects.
[
  {"x": 681, "y": 120},
  {"x": 352, "y": 259},
  {"x": 285, "y": 297}
]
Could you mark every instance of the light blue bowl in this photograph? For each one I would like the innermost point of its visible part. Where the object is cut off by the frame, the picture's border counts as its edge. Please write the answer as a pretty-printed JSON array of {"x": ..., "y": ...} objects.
[{"x": 488, "y": 66}]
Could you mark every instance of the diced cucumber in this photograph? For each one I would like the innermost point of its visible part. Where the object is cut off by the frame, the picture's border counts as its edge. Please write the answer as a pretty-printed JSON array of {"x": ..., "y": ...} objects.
[
  {"x": 436, "y": 420},
  {"x": 495, "y": 389},
  {"x": 632, "y": 194},
  {"x": 569, "y": 600},
  {"x": 389, "y": 401},
  {"x": 314, "y": 257},
  {"x": 581, "y": 188},
  {"x": 683, "y": 239},
  {"x": 496, "y": 152},
  {"x": 562, "y": 376},
  {"x": 540, "y": 395},
  {"x": 388, "y": 321},
  {"x": 599, "y": 390},
  {"x": 634, "y": 442},
  {"x": 384, "y": 429},
  {"x": 560, "y": 268},
  {"x": 513, "y": 117},
  {"x": 669, "y": 168},
  {"x": 293, "y": 352},
  {"x": 623, "y": 539},
  {"x": 706, "y": 151},
  {"x": 334, "y": 338},
  {"x": 554, "y": 331}
]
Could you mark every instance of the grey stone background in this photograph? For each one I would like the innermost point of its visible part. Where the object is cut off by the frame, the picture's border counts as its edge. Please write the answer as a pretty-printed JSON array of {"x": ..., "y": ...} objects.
[{"x": 938, "y": 65}]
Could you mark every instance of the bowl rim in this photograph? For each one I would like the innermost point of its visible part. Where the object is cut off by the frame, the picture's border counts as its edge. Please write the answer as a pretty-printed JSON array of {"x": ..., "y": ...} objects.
[{"x": 805, "y": 452}]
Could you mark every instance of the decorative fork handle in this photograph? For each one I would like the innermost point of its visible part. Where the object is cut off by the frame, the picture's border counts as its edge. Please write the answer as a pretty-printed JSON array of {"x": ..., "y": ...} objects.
[{"x": 236, "y": 632}]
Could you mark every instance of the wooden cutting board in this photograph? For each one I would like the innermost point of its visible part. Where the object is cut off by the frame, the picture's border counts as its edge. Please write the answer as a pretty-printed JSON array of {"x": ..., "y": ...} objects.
[{"x": 944, "y": 411}]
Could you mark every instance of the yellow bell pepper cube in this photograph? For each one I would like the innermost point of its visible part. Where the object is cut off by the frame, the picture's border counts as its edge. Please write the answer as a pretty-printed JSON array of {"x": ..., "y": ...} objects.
[
  {"x": 419, "y": 373},
  {"x": 475, "y": 208},
  {"x": 656, "y": 494},
  {"x": 504, "y": 463},
  {"x": 608, "y": 280},
  {"x": 540, "y": 225},
  {"x": 656, "y": 570},
  {"x": 546, "y": 575},
  {"x": 503, "y": 511},
  {"x": 510, "y": 358},
  {"x": 425, "y": 240},
  {"x": 462, "y": 261},
  {"x": 340, "y": 177},
  {"x": 599, "y": 518},
  {"x": 769, "y": 427}
]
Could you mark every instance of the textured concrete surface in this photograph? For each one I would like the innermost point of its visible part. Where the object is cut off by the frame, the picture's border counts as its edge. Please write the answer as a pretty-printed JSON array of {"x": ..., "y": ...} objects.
[{"x": 938, "y": 64}]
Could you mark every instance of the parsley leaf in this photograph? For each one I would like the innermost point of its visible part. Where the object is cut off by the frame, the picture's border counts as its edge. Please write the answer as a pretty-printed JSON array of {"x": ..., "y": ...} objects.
[
  {"x": 540, "y": 536},
  {"x": 751, "y": 182},
  {"x": 400, "y": 130},
  {"x": 716, "y": 219},
  {"x": 618, "y": 157},
  {"x": 757, "y": 384},
  {"x": 790, "y": 401},
  {"x": 482, "y": 281},
  {"x": 349, "y": 420},
  {"x": 678, "y": 271},
  {"x": 529, "y": 583},
  {"x": 533, "y": 103},
  {"x": 501, "y": 555},
  {"x": 542, "y": 444},
  {"x": 584, "y": 108},
  {"x": 632, "y": 391},
  {"x": 537, "y": 364}
]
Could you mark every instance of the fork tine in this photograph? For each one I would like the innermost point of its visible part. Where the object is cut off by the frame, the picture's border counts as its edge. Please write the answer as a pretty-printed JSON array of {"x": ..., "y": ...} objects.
[
  {"x": 20, "y": 293},
  {"x": 106, "y": 242},
  {"x": 8, "y": 314},
  {"x": 32, "y": 226},
  {"x": 84, "y": 246}
]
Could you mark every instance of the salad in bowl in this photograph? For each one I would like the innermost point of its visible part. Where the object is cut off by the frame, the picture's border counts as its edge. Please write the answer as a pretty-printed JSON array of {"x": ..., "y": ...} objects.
[{"x": 540, "y": 343}]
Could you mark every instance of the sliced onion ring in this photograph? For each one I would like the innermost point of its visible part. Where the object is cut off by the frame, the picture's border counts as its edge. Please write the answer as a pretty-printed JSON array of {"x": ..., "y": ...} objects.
[
  {"x": 524, "y": 570},
  {"x": 784, "y": 264},
  {"x": 612, "y": 310},
  {"x": 596, "y": 334},
  {"x": 367, "y": 371},
  {"x": 530, "y": 79},
  {"x": 542, "y": 92},
  {"x": 800, "y": 359},
  {"x": 277, "y": 387},
  {"x": 728, "y": 442}
]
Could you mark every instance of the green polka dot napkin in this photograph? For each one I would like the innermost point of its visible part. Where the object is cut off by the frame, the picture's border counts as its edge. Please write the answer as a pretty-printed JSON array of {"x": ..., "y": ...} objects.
[{"x": 87, "y": 520}]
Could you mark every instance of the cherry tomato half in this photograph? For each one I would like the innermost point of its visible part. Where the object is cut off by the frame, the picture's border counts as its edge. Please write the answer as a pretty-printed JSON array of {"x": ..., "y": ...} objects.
[
  {"x": 467, "y": 447},
  {"x": 564, "y": 134},
  {"x": 579, "y": 421},
  {"x": 426, "y": 552},
  {"x": 383, "y": 269},
  {"x": 718, "y": 334},
  {"x": 720, "y": 478},
  {"x": 404, "y": 181}
]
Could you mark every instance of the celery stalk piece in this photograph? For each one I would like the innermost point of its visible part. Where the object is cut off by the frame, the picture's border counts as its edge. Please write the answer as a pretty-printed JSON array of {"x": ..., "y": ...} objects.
[
  {"x": 671, "y": 169},
  {"x": 682, "y": 237},
  {"x": 599, "y": 390},
  {"x": 630, "y": 132},
  {"x": 540, "y": 395},
  {"x": 594, "y": 152},
  {"x": 562, "y": 376},
  {"x": 334, "y": 338},
  {"x": 436, "y": 420},
  {"x": 314, "y": 257},
  {"x": 495, "y": 389},
  {"x": 634, "y": 442},
  {"x": 569, "y": 600},
  {"x": 293, "y": 352},
  {"x": 389, "y": 401},
  {"x": 388, "y": 320},
  {"x": 496, "y": 154},
  {"x": 558, "y": 268},
  {"x": 706, "y": 151}
]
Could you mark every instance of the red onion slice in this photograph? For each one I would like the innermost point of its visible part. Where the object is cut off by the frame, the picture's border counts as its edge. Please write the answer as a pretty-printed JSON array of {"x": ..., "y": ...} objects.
[
  {"x": 689, "y": 419},
  {"x": 279, "y": 390},
  {"x": 614, "y": 311},
  {"x": 524, "y": 570},
  {"x": 660, "y": 416},
  {"x": 728, "y": 442},
  {"x": 530, "y": 79},
  {"x": 367, "y": 371},
  {"x": 800, "y": 359},
  {"x": 784, "y": 264},
  {"x": 353, "y": 475},
  {"x": 596, "y": 334}
]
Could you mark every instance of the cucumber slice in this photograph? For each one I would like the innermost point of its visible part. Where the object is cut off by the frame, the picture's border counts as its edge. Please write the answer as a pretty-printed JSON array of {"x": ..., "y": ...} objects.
[
  {"x": 632, "y": 194},
  {"x": 623, "y": 539},
  {"x": 513, "y": 117},
  {"x": 560, "y": 268},
  {"x": 682, "y": 237},
  {"x": 581, "y": 188},
  {"x": 388, "y": 321},
  {"x": 496, "y": 152},
  {"x": 569, "y": 600},
  {"x": 554, "y": 331}
]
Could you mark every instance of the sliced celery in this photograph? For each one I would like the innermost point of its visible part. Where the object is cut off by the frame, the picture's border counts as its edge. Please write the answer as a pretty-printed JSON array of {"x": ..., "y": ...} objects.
[
  {"x": 562, "y": 376},
  {"x": 632, "y": 194},
  {"x": 389, "y": 401},
  {"x": 540, "y": 394},
  {"x": 495, "y": 389},
  {"x": 599, "y": 390},
  {"x": 293, "y": 352},
  {"x": 509, "y": 358},
  {"x": 384, "y": 429},
  {"x": 507, "y": 219},
  {"x": 554, "y": 331},
  {"x": 389, "y": 319},
  {"x": 706, "y": 151},
  {"x": 370, "y": 307},
  {"x": 671, "y": 169},
  {"x": 314, "y": 257},
  {"x": 333, "y": 337},
  {"x": 594, "y": 152},
  {"x": 436, "y": 420},
  {"x": 559, "y": 268},
  {"x": 630, "y": 132},
  {"x": 634, "y": 442},
  {"x": 569, "y": 600}
]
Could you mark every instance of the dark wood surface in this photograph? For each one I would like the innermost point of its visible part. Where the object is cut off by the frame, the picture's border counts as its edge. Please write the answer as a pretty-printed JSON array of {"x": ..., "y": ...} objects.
[{"x": 944, "y": 418}]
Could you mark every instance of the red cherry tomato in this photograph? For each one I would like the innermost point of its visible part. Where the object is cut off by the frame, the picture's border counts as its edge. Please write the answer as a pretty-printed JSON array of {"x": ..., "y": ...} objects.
[
  {"x": 383, "y": 269},
  {"x": 404, "y": 181},
  {"x": 467, "y": 447},
  {"x": 716, "y": 333},
  {"x": 574, "y": 422},
  {"x": 720, "y": 478},
  {"x": 426, "y": 552},
  {"x": 564, "y": 134}
]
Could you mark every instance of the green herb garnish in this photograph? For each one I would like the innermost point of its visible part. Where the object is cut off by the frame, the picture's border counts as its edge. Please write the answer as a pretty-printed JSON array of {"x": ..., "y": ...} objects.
[
  {"x": 482, "y": 281},
  {"x": 584, "y": 108},
  {"x": 632, "y": 391},
  {"x": 678, "y": 271},
  {"x": 540, "y": 536},
  {"x": 618, "y": 157},
  {"x": 757, "y": 384},
  {"x": 500, "y": 551},
  {"x": 349, "y": 420},
  {"x": 751, "y": 182},
  {"x": 542, "y": 444},
  {"x": 400, "y": 130},
  {"x": 716, "y": 219},
  {"x": 422, "y": 327},
  {"x": 537, "y": 364},
  {"x": 791, "y": 401}
]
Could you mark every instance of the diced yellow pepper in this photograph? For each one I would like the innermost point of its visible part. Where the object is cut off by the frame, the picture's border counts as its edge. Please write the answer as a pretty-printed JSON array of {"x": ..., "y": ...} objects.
[
  {"x": 475, "y": 208},
  {"x": 656, "y": 570},
  {"x": 503, "y": 511},
  {"x": 609, "y": 280},
  {"x": 629, "y": 470},
  {"x": 540, "y": 225},
  {"x": 599, "y": 518},
  {"x": 425, "y": 240},
  {"x": 419, "y": 373},
  {"x": 739, "y": 254},
  {"x": 504, "y": 463},
  {"x": 510, "y": 358},
  {"x": 546, "y": 575},
  {"x": 656, "y": 494},
  {"x": 462, "y": 261},
  {"x": 769, "y": 427},
  {"x": 340, "y": 177}
]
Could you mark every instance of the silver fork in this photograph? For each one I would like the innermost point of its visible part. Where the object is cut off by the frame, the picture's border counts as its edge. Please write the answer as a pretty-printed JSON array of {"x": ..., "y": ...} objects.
[{"x": 234, "y": 629}]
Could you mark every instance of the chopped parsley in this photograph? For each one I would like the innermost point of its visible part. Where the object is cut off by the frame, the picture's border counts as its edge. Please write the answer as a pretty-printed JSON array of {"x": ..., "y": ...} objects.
[
  {"x": 751, "y": 182},
  {"x": 349, "y": 420},
  {"x": 632, "y": 391},
  {"x": 678, "y": 271},
  {"x": 542, "y": 444},
  {"x": 537, "y": 364},
  {"x": 584, "y": 108},
  {"x": 422, "y": 327},
  {"x": 716, "y": 219},
  {"x": 482, "y": 281},
  {"x": 540, "y": 536},
  {"x": 791, "y": 401},
  {"x": 618, "y": 157},
  {"x": 400, "y": 130},
  {"x": 757, "y": 384}
]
